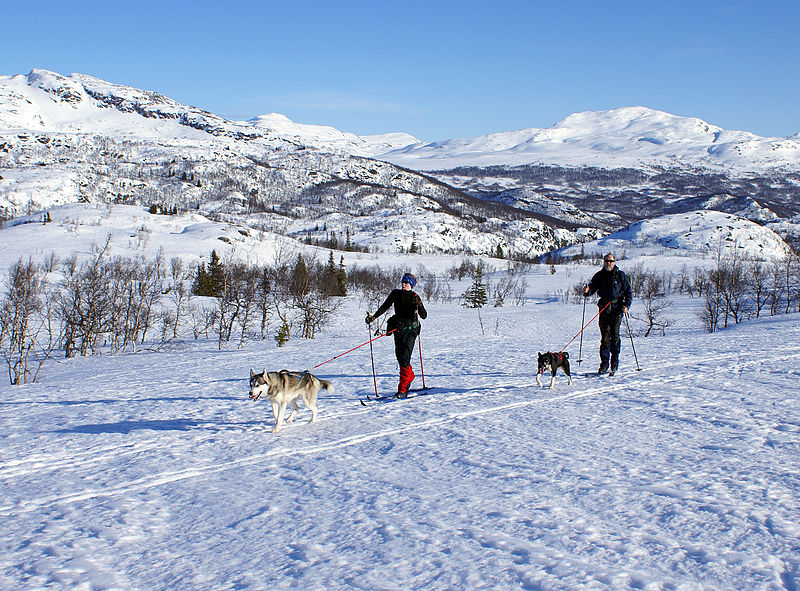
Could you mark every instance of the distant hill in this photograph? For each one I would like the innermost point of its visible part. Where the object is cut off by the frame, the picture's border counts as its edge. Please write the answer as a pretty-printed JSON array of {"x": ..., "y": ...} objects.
[
  {"x": 76, "y": 138},
  {"x": 625, "y": 137},
  {"x": 698, "y": 233},
  {"x": 67, "y": 139}
]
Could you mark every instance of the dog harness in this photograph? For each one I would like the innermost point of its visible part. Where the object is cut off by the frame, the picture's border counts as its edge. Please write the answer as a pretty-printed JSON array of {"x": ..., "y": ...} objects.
[{"x": 560, "y": 359}]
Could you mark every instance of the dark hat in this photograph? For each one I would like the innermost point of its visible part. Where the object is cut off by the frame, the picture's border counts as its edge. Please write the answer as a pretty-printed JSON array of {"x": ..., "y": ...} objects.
[{"x": 410, "y": 279}]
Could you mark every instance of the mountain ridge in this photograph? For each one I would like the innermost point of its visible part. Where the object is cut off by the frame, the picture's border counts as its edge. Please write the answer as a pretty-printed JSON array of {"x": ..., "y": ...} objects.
[
  {"x": 622, "y": 137},
  {"x": 79, "y": 138}
]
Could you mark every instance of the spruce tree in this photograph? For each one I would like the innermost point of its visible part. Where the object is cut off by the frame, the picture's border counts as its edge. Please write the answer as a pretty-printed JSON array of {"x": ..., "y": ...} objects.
[
  {"x": 475, "y": 296},
  {"x": 216, "y": 273},
  {"x": 301, "y": 281},
  {"x": 341, "y": 279},
  {"x": 413, "y": 248}
]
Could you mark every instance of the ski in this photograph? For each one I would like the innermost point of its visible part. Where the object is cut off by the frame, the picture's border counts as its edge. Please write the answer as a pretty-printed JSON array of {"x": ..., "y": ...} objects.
[
  {"x": 412, "y": 393},
  {"x": 594, "y": 374}
]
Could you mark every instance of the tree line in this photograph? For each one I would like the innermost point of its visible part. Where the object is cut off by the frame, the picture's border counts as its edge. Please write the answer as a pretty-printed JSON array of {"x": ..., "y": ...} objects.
[
  {"x": 735, "y": 288},
  {"x": 114, "y": 304},
  {"x": 117, "y": 304}
]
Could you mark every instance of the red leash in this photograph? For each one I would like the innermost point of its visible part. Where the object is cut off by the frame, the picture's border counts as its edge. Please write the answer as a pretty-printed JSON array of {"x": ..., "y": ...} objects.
[
  {"x": 354, "y": 348},
  {"x": 584, "y": 326}
]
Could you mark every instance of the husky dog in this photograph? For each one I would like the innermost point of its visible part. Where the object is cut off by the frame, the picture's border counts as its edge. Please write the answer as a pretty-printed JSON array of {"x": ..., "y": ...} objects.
[
  {"x": 285, "y": 387},
  {"x": 553, "y": 361}
]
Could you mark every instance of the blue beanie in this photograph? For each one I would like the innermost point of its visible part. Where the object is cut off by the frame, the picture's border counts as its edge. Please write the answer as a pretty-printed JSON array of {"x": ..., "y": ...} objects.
[{"x": 410, "y": 279}]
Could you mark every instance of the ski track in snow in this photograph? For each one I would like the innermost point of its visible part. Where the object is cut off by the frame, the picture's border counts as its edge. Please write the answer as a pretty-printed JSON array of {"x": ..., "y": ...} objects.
[
  {"x": 681, "y": 476},
  {"x": 90, "y": 458}
]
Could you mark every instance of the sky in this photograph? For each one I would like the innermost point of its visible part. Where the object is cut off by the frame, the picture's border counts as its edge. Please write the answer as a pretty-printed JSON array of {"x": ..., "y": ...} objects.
[{"x": 436, "y": 70}]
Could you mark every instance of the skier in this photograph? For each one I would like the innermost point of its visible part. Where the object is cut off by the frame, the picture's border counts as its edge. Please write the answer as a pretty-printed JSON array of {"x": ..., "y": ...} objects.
[
  {"x": 614, "y": 289},
  {"x": 408, "y": 309}
]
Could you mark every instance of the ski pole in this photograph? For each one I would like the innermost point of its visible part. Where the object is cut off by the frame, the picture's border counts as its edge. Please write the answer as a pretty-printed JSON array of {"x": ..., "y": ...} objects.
[
  {"x": 372, "y": 358},
  {"x": 580, "y": 347},
  {"x": 354, "y": 348},
  {"x": 630, "y": 334},
  {"x": 421, "y": 368}
]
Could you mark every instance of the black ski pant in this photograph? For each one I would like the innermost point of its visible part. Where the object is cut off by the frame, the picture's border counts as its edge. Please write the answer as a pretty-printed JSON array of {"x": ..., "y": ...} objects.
[
  {"x": 610, "y": 321},
  {"x": 404, "y": 339}
]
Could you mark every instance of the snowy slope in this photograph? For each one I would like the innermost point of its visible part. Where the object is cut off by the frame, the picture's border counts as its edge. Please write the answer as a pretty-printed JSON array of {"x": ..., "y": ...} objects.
[
  {"x": 323, "y": 136},
  {"x": 624, "y": 137},
  {"x": 78, "y": 138},
  {"x": 48, "y": 102},
  {"x": 154, "y": 471},
  {"x": 66, "y": 139},
  {"x": 131, "y": 231},
  {"x": 45, "y": 101},
  {"x": 695, "y": 233}
]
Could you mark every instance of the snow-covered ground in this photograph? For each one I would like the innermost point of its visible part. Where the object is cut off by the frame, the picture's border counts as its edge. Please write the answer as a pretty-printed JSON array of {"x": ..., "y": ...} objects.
[{"x": 154, "y": 470}]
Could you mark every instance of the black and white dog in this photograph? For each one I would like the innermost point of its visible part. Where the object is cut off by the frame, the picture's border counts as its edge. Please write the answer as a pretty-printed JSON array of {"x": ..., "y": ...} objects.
[{"x": 553, "y": 361}]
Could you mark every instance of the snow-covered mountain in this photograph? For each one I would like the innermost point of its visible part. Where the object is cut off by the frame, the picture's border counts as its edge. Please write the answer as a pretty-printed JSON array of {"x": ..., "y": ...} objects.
[
  {"x": 48, "y": 102},
  {"x": 325, "y": 137},
  {"x": 625, "y": 137},
  {"x": 698, "y": 233},
  {"x": 606, "y": 169},
  {"x": 77, "y": 138},
  {"x": 45, "y": 101},
  {"x": 74, "y": 138}
]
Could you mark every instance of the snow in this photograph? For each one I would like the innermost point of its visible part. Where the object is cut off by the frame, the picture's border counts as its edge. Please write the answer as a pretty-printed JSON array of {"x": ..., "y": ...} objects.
[
  {"x": 154, "y": 470},
  {"x": 48, "y": 102},
  {"x": 45, "y": 101},
  {"x": 691, "y": 234},
  {"x": 624, "y": 137},
  {"x": 330, "y": 138},
  {"x": 133, "y": 232}
]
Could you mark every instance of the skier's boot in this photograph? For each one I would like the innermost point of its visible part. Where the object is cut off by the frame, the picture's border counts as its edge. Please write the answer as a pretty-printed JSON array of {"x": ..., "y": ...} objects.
[{"x": 405, "y": 380}]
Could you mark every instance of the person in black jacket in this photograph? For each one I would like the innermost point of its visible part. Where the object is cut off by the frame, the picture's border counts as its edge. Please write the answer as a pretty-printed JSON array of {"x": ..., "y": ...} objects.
[
  {"x": 408, "y": 309},
  {"x": 614, "y": 289}
]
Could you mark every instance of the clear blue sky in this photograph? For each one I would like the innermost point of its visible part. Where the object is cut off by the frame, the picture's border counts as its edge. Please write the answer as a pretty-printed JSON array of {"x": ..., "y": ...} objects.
[{"x": 437, "y": 70}]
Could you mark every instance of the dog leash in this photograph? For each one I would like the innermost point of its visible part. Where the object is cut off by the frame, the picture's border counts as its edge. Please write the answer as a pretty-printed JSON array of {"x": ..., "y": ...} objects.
[
  {"x": 584, "y": 326},
  {"x": 354, "y": 348}
]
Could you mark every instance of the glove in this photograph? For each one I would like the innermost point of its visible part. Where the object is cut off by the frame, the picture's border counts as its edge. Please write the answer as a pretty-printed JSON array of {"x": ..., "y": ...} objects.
[{"x": 369, "y": 318}]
